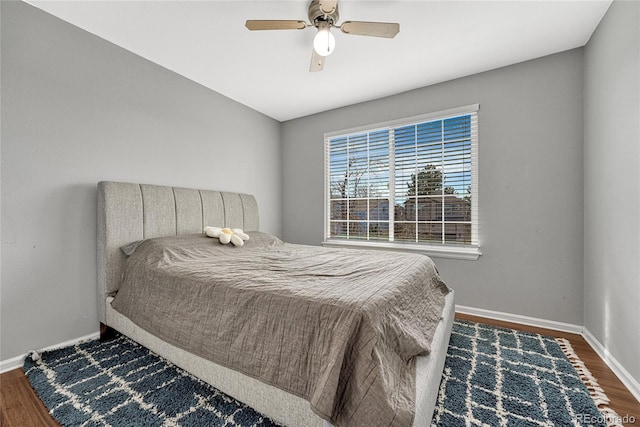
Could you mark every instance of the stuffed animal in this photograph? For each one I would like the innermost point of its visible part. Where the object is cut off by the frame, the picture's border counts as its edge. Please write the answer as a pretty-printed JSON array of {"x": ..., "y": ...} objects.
[{"x": 226, "y": 235}]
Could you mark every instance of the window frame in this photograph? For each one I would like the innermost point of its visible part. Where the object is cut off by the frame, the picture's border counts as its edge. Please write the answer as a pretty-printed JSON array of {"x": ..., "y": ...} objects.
[{"x": 467, "y": 252}]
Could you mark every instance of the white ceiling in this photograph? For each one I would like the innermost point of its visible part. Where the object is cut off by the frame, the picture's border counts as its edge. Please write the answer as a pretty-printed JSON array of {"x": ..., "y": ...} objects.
[{"x": 206, "y": 41}]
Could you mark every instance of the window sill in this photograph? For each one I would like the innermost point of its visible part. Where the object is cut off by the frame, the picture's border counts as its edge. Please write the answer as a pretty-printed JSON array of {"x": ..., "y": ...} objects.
[{"x": 464, "y": 253}]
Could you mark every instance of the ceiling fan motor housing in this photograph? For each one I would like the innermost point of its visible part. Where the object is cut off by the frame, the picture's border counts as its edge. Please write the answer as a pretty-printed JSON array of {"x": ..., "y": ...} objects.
[{"x": 316, "y": 15}]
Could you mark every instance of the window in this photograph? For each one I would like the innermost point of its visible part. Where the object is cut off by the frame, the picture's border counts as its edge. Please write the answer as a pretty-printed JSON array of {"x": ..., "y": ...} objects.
[{"x": 409, "y": 184}]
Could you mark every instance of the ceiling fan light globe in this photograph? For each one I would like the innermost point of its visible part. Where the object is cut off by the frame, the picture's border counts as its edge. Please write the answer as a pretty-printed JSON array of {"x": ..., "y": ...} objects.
[{"x": 324, "y": 42}]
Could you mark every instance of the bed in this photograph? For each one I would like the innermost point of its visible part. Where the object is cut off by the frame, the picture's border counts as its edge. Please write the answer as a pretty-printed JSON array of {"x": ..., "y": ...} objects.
[{"x": 137, "y": 212}]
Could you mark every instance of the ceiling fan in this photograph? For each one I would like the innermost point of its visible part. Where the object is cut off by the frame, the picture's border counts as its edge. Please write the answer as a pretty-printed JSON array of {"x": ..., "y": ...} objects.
[{"x": 323, "y": 15}]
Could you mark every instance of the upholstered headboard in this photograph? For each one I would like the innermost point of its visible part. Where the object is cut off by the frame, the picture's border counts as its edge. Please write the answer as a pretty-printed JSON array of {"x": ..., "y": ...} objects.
[{"x": 130, "y": 212}]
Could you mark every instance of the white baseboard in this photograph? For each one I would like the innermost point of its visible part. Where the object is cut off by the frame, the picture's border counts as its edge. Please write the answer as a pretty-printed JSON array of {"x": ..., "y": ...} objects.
[
  {"x": 11, "y": 364},
  {"x": 18, "y": 361},
  {"x": 523, "y": 320},
  {"x": 623, "y": 375}
]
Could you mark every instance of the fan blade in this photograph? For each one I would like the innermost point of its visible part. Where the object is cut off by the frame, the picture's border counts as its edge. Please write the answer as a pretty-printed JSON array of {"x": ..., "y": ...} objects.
[
  {"x": 275, "y": 25},
  {"x": 375, "y": 29},
  {"x": 328, "y": 6},
  {"x": 317, "y": 61}
]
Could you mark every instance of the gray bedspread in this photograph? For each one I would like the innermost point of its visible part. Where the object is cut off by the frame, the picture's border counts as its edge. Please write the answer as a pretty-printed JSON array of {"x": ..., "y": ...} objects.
[{"x": 337, "y": 327}]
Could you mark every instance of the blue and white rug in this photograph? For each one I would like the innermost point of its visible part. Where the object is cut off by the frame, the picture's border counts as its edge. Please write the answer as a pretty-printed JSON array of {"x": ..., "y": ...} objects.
[
  {"x": 492, "y": 376},
  {"x": 503, "y": 377},
  {"x": 120, "y": 383}
]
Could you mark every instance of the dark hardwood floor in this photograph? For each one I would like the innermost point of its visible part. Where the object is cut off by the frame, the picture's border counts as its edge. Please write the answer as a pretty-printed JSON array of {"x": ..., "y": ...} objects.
[{"x": 20, "y": 407}]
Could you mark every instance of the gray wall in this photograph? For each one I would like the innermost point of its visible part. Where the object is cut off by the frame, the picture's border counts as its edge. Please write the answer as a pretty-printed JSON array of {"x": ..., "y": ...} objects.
[
  {"x": 530, "y": 182},
  {"x": 612, "y": 184},
  {"x": 76, "y": 110}
]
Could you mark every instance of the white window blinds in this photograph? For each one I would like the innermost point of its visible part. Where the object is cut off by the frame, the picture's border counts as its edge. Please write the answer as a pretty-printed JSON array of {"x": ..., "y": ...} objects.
[{"x": 407, "y": 182}]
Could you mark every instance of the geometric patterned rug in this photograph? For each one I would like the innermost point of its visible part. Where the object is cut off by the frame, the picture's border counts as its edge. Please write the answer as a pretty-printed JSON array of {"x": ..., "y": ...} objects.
[
  {"x": 492, "y": 377},
  {"x": 118, "y": 382},
  {"x": 503, "y": 377}
]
